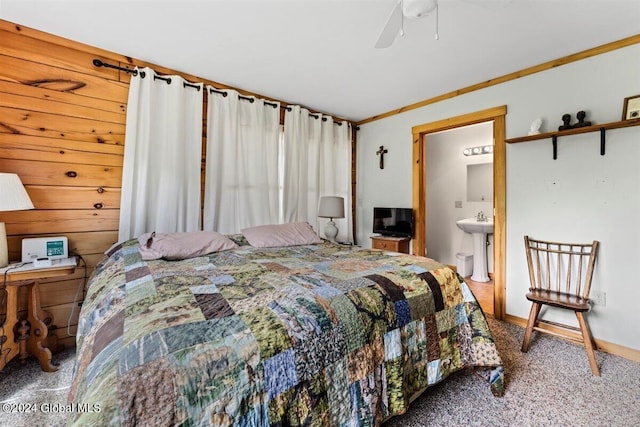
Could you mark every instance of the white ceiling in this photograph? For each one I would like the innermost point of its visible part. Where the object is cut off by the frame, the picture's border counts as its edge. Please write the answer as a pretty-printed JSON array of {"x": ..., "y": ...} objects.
[{"x": 320, "y": 54}]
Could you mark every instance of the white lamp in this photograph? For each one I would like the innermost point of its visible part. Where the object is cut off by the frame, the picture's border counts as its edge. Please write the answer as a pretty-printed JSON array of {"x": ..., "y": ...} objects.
[
  {"x": 331, "y": 207},
  {"x": 13, "y": 197}
]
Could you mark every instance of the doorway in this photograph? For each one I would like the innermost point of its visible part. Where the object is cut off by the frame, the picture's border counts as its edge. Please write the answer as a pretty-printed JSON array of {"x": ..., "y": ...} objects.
[{"x": 419, "y": 188}]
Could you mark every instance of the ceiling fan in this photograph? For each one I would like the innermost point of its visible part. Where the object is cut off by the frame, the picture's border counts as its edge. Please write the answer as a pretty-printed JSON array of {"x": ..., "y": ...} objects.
[{"x": 395, "y": 23}]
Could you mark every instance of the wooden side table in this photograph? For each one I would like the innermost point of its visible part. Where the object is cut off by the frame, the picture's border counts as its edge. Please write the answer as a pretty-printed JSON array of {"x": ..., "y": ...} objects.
[
  {"x": 394, "y": 244},
  {"x": 25, "y": 337}
]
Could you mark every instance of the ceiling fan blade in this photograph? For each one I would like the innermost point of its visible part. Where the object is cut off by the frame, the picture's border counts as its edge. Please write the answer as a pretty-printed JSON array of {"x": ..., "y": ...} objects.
[{"x": 391, "y": 29}]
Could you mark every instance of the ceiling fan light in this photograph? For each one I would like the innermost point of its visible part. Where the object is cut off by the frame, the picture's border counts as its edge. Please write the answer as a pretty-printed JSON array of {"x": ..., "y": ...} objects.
[{"x": 418, "y": 8}]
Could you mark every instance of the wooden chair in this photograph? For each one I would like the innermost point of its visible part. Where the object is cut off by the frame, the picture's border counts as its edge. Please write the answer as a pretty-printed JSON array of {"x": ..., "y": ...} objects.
[{"x": 560, "y": 275}]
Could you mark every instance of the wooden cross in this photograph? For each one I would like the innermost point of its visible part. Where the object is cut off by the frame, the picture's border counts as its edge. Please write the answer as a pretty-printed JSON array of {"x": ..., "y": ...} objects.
[{"x": 381, "y": 152}]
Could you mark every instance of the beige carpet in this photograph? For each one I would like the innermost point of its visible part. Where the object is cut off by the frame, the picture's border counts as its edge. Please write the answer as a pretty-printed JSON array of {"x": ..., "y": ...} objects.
[
  {"x": 32, "y": 398},
  {"x": 551, "y": 385}
]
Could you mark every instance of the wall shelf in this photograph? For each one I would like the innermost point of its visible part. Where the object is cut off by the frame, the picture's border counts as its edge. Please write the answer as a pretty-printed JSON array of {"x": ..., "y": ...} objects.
[{"x": 602, "y": 128}]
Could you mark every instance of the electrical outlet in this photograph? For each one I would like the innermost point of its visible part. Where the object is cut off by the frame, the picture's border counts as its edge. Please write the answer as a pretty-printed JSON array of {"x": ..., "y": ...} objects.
[
  {"x": 458, "y": 203},
  {"x": 598, "y": 298}
]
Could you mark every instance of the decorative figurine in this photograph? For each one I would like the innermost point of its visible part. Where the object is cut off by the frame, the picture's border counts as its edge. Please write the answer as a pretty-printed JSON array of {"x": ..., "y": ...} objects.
[
  {"x": 535, "y": 126},
  {"x": 581, "y": 123},
  {"x": 566, "y": 122}
]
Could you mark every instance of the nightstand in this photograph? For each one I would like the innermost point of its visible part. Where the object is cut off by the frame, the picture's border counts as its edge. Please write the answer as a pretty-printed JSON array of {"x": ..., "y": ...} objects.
[
  {"x": 394, "y": 244},
  {"x": 25, "y": 337}
]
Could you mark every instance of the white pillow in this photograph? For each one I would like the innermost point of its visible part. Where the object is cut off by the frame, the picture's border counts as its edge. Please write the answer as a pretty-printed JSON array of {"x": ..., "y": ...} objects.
[
  {"x": 277, "y": 235},
  {"x": 175, "y": 246}
]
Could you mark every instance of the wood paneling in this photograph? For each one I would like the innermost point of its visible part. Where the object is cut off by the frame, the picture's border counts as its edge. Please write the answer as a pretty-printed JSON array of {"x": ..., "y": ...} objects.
[
  {"x": 51, "y": 53},
  {"x": 60, "y": 221},
  {"x": 65, "y": 174},
  {"x": 43, "y": 76},
  {"x": 49, "y": 197},
  {"x": 54, "y": 125},
  {"x": 63, "y": 104},
  {"x": 62, "y": 125},
  {"x": 47, "y": 149}
]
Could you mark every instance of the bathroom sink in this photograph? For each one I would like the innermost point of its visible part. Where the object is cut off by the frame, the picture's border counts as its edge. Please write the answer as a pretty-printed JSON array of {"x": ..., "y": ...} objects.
[
  {"x": 479, "y": 231},
  {"x": 471, "y": 225}
]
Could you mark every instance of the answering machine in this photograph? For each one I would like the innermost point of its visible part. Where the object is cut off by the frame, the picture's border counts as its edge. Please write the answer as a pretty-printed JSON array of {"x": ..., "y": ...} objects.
[{"x": 43, "y": 250}]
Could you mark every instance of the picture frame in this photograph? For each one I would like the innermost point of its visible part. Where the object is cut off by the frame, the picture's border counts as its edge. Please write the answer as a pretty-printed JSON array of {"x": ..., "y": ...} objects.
[{"x": 631, "y": 108}]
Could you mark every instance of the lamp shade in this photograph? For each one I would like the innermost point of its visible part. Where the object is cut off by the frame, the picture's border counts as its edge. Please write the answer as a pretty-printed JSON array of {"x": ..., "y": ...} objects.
[
  {"x": 331, "y": 207},
  {"x": 13, "y": 196}
]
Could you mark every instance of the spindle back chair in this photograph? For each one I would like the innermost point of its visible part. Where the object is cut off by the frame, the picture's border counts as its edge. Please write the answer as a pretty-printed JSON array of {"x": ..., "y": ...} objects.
[{"x": 560, "y": 276}]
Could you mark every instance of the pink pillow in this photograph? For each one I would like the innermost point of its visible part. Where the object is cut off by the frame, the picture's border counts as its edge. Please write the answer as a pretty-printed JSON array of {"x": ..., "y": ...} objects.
[
  {"x": 175, "y": 246},
  {"x": 291, "y": 234}
]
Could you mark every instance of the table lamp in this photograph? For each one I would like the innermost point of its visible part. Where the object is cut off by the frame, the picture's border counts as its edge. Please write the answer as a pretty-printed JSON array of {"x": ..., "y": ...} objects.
[
  {"x": 331, "y": 207},
  {"x": 13, "y": 197}
]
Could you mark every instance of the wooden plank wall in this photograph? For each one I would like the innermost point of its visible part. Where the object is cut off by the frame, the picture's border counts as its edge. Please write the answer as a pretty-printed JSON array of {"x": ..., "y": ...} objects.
[{"x": 62, "y": 125}]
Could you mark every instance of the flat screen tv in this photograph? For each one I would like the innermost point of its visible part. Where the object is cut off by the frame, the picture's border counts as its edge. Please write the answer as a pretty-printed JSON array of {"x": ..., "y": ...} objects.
[{"x": 396, "y": 222}]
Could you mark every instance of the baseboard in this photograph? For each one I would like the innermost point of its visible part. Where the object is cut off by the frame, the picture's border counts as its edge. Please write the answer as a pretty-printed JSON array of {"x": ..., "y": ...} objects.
[{"x": 607, "y": 347}]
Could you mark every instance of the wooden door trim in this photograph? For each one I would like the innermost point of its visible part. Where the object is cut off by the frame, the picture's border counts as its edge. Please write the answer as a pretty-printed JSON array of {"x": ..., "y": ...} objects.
[{"x": 419, "y": 188}]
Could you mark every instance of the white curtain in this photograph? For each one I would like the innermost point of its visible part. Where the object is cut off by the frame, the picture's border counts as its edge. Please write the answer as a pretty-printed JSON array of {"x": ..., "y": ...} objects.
[
  {"x": 241, "y": 184},
  {"x": 162, "y": 156},
  {"x": 317, "y": 162}
]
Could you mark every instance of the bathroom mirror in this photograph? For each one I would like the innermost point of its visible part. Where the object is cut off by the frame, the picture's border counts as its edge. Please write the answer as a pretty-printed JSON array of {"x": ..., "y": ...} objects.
[{"x": 480, "y": 182}]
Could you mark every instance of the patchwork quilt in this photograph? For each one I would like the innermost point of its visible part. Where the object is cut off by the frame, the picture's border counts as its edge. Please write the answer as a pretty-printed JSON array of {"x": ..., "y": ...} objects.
[{"x": 322, "y": 335}]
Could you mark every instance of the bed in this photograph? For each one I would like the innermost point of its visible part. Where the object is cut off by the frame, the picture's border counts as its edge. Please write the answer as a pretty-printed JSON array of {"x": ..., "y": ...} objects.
[{"x": 320, "y": 334}]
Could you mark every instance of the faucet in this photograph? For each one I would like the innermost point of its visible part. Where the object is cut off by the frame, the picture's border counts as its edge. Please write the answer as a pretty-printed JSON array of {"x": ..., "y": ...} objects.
[{"x": 481, "y": 217}]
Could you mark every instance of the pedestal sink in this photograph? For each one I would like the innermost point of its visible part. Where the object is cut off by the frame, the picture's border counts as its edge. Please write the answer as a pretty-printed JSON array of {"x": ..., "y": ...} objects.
[{"x": 479, "y": 231}]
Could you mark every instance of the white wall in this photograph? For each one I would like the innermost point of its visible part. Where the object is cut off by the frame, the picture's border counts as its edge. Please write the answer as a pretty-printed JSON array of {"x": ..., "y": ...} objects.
[
  {"x": 579, "y": 197},
  {"x": 446, "y": 179}
]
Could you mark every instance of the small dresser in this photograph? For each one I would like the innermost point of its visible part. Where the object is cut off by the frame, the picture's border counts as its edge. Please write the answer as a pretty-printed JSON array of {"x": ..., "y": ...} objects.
[{"x": 394, "y": 244}]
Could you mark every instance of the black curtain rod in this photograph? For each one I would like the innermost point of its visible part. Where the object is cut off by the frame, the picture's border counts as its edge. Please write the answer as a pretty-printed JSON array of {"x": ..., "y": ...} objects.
[
  {"x": 185, "y": 84},
  {"x": 246, "y": 98},
  {"x": 316, "y": 116},
  {"x": 99, "y": 63},
  {"x": 168, "y": 80}
]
